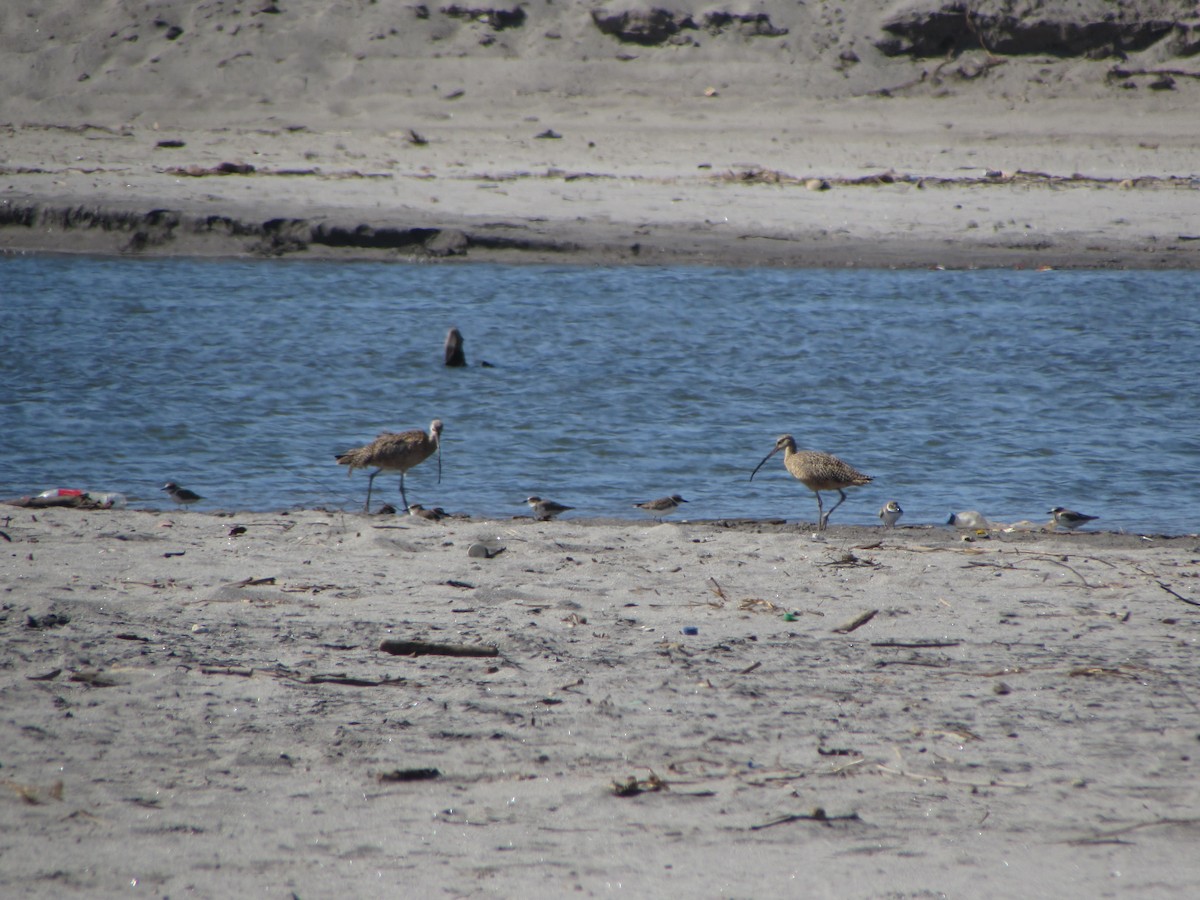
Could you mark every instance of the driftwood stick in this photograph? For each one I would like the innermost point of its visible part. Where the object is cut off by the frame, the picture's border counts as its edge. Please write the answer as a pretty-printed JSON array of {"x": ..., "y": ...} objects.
[
  {"x": 425, "y": 648},
  {"x": 1178, "y": 596},
  {"x": 857, "y": 622},
  {"x": 817, "y": 815}
]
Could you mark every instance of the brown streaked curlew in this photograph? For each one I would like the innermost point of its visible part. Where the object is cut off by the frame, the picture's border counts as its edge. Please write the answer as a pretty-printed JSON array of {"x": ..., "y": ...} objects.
[
  {"x": 818, "y": 472},
  {"x": 395, "y": 452}
]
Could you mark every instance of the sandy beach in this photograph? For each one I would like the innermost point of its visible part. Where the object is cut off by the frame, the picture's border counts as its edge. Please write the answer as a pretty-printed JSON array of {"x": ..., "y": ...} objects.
[
  {"x": 809, "y": 136},
  {"x": 198, "y": 705}
]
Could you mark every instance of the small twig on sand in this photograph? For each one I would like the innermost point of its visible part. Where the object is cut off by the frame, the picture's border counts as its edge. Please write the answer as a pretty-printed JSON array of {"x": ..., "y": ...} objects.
[
  {"x": 857, "y": 622},
  {"x": 946, "y": 779},
  {"x": 888, "y": 91},
  {"x": 253, "y": 582},
  {"x": 351, "y": 681},
  {"x": 1105, "y": 837},
  {"x": 841, "y": 770},
  {"x": 1166, "y": 587},
  {"x": 817, "y": 815},
  {"x": 632, "y": 786},
  {"x": 716, "y": 589},
  {"x": 407, "y": 775},
  {"x": 424, "y": 648}
]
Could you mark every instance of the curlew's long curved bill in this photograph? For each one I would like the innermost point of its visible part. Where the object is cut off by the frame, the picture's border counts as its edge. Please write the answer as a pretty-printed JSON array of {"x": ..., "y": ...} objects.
[
  {"x": 439, "y": 461},
  {"x": 760, "y": 465}
]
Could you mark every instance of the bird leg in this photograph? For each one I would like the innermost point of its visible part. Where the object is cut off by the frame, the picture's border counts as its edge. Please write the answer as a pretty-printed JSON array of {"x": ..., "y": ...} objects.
[
  {"x": 403, "y": 498},
  {"x": 370, "y": 484},
  {"x": 820, "y": 512},
  {"x": 841, "y": 494}
]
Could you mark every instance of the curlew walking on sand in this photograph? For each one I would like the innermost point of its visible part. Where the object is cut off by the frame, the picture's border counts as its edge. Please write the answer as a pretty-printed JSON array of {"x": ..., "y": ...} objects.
[
  {"x": 545, "y": 510},
  {"x": 395, "y": 452},
  {"x": 662, "y": 507},
  {"x": 818, "y": 472},
  {"x": 1069, "y": 519}
]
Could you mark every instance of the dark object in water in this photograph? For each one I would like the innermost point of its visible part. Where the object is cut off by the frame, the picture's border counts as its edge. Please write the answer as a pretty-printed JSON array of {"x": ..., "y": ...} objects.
[{"x": 454, "y": 355}]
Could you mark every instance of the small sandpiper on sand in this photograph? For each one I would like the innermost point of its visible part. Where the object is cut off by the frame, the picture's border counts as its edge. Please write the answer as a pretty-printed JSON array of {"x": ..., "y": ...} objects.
[
  {"x": 662, "y": 507},
  {"x": 180, "y": 495},
  {"x": 545, "y": 510},
  {"x": 1069, "y": 519}
]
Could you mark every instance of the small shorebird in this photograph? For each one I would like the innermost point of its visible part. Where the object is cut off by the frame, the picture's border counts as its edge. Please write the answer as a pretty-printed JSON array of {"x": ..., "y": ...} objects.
[
  {"x": 545, "y": 510},
  {"x": 434, "y": 515},
  {"x": 890, "y": 514},
  {"x": 662, "y": 507},
  {"x": 818, "y": 472},
  {"x": 395, "y": 452},
  {"x": 1069, "y": 519},
  {"x": 969, "y": 519},
  {"x": 180, "y": 495}
]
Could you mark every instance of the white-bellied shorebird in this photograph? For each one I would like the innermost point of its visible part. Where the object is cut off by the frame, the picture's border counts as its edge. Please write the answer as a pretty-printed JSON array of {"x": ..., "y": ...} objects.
[
  {"x": 1069, "y": 519},
  {"x": 395, "y": 452},
  {"x": 434, "y": 515},
  {"x": 180, "y": 495},
  {"x": 970, "y": 519},
  {"x": 545, "y": 510},
  {"x": 662, "y": 507},
  {"x": 818, "y": 472},
  {"x": 890, "y": 514}
]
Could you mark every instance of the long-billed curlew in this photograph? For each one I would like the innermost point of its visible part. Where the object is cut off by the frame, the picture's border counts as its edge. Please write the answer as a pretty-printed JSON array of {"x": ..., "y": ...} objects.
[
  {"x": 545, "y": 510},
  {"x": 890, "y": 514},
  {"x": 818, "y": 472},
  {"x": 1069, "y": 519},
  {"x": 180, "y": 495},
  {"x": 395, "y": 452},
  {"x": 662, "y": 507}
]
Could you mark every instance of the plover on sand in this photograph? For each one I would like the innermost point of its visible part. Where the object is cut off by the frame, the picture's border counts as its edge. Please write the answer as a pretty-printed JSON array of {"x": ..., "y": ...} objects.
[{"x": 890, "y": 514}]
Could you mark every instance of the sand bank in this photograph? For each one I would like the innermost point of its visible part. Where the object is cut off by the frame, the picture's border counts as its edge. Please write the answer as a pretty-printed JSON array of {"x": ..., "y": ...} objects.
[{"x": 197, "y": 705}]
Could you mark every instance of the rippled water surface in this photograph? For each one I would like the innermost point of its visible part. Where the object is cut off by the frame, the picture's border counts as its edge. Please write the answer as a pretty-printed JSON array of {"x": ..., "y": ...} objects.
[{"x": 1003, "y": 391}]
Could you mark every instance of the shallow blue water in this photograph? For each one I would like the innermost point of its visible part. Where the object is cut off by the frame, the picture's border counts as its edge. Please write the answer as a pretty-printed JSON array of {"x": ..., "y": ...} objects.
[{"x": 1004, "y": 391}]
